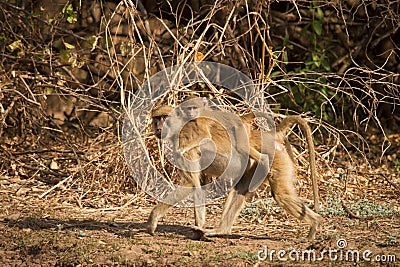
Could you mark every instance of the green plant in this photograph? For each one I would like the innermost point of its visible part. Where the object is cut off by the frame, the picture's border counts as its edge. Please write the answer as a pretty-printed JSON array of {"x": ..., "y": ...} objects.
[
  {"x": 251, "y": 209},
  {"x": 366, "y": 207},
  {"x": 160, "y": 252},
  {"x": 360, "y": 207},
  {"x": 306, "y": 81},
  {"x": 259, "y": 208},
  {"x": 69, "y": 13},
  {"x": 396, "y": 164},
  {"x": 389, "y": 240},
  {"x": 333, "y": 204},
  {"x": 246, "y": 255}
]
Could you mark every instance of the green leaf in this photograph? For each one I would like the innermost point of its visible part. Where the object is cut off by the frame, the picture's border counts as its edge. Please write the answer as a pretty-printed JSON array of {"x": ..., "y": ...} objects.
[
  {"x": 202, "y": 85},
  {"x": 16, "y": 45},
  {"x": 92, "y": 41},
  {"x": 285, "y": 57},
  {"x": 68, "y": 46},
  {"x": 67, "y": 9},
  {"x": 72, "y": 18},
  {"x": 326, "y": 65},
  {"x": 315, "y": 57},
  {"x": 69, "y": 13},
  {"x": 46, "y": 51},
  {"x": 78, "y": 64},
  {"x": 317, "y": 27},
  {"x": 320, "y": 14},
  {"x": 48, "y": 91},
  {"x": 65, "y": 55},
  {"x": 275, "y": 73},
  {"x": 286, "y": 39}
]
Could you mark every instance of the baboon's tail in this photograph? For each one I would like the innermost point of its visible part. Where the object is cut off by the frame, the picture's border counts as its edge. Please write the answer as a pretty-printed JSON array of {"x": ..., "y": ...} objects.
[{"x": 281, "y": 131}]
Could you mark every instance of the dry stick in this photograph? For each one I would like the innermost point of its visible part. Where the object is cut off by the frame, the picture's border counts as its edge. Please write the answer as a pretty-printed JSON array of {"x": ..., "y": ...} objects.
[
  {"x": 222, "y": 33},
  {"x": 230, "y": 34},
  {"x": 143, "y": 10},
  {"x": 45, "y": 151},
  {"x": 5, "y": 114},
  {"x": 69, "y": 177},
  {"x": 27, "y": 99},
  {"x": 390, "y": 182},
  {"x": 396, "y": 187},
  {"x": 55, "y": 186},
  {"x": 121, "y": 207},
  {"x": 51, "y": 172},
  {"x": 354, "y": 216}
]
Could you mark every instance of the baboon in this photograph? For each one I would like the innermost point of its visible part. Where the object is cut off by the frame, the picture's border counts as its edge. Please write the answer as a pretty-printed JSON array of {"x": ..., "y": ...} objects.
[
  {"x": 204, "y": 160},
  {"x": 281, "y": 178}
]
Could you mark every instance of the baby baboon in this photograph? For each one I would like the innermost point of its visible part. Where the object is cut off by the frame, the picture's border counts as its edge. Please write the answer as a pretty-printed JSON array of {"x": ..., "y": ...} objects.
[{"x": 281, "y": 178}]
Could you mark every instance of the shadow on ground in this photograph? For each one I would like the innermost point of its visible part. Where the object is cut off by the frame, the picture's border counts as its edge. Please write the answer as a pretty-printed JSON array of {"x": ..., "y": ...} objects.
[{"x": 122, "y": 229}]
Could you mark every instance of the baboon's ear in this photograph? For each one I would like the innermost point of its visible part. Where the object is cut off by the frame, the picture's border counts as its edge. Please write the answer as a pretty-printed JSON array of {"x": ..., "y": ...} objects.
[
  {"x": 178, "y": 111},
  {"x": 205, "y": 102}
]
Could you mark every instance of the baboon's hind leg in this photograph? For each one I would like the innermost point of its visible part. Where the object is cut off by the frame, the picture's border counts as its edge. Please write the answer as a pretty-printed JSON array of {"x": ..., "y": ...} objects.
[
  {"x": 284, "y": 193},
  {"x": 233, "y": 205}
]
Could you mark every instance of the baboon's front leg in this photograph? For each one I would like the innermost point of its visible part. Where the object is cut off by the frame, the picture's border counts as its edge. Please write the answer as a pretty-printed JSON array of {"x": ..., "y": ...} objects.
[
  {"x": 157, "y": 213},
  {"x": 199, "y": 204},
  {"x": 161, "y": 208}
]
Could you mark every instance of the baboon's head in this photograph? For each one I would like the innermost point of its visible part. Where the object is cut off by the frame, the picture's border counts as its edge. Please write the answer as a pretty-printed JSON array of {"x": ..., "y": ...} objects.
[
  {"x": 159, "y": 116},
  {"x": 166, "y": 119},
  {"x": 192, "y": 106}
]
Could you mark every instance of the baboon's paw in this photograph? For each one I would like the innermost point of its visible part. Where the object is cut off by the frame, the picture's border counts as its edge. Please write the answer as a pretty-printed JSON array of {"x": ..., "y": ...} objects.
[
  {"x": 151, "y": 228},
  {"x": 311, "y": 236},
  {"x": 199, "y": 230},
  {"x": 215, "y": 232},
  {"x": 199, "y": 234}
]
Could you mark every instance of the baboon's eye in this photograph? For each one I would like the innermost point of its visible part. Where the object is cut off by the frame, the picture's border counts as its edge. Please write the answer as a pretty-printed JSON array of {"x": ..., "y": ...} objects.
[{"x": 190, "y": 108}]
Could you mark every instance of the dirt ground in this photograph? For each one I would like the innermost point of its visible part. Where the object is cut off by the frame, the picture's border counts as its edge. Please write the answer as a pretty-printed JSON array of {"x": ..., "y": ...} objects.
[
  {"x": 55, "y": 231},
  {"x": 46, "y": 223}
]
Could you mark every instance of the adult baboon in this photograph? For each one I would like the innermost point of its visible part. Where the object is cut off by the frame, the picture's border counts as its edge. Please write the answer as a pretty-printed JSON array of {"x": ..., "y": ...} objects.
[{"x": 281, "y": 178}]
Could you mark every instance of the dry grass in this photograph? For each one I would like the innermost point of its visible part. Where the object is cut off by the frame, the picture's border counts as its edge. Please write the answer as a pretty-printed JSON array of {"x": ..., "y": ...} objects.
[{"x": 83, "y": 162}]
